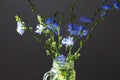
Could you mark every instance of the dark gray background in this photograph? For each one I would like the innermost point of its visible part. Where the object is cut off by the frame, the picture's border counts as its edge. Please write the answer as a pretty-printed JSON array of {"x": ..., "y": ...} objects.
[{"x": 22, "y": 58}]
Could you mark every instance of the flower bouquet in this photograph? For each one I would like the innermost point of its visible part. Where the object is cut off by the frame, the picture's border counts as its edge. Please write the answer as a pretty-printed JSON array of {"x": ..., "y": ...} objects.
[{"x": 57, "y": 46}]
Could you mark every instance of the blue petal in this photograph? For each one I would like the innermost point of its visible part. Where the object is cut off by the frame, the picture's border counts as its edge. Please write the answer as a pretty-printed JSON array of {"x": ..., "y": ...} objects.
[
  {"x": 116, "y": 5},
  {"x": 84, "y": 32},
  {"x": 103, "y": 14},
  {"x": 85, "y": 19},
  {"x": 61, "y": 58},
  {"x": 74, "y": 29},
  {"x": 49, "y": 21},
  {"x": 52, "y": 26},
  {"x": 106, "y": 7},
  {"x": 55, "y": 25}
]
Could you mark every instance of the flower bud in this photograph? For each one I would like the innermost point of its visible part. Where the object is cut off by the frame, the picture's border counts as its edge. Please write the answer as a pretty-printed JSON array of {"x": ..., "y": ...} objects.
[
  {"x": 39, "y": 18},
  {"x": 54, "y": 44},
  {"x": 47, "y": 31},
  {"x": 49, "y": 40},
  {"x": 47, "y": 51},
  {"x": 60, "y": 37}
]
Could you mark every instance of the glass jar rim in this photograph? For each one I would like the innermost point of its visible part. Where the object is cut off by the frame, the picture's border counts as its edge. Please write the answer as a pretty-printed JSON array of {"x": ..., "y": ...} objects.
[{"x": 63, "y": 65}]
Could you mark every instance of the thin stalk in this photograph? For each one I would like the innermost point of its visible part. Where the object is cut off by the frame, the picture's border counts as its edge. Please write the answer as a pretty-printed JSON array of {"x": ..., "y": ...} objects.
[
  {"x": 72, "y": 10},
  {"x": 53, "y": 40},
  {"x": 59, "y": 38},
  {"x": 94, "y": 24}
]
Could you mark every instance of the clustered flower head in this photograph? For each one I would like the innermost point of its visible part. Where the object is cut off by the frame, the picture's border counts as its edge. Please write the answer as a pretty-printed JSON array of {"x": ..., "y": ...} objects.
[
  {"x": 74, "y": 29},
  {"x": 51, "y": 29},
  {"x": 108, "y": 5},
  {"x": 51, "y": 24},
  {"x": 77, "y": 30}
]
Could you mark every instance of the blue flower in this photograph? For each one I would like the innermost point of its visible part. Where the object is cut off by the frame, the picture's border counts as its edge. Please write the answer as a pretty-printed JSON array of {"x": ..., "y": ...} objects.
[
  {"x": 85, "y": 19},
  {"x": 67, "y": 41},
  {"x": 103, "y": 14},
  {"x": 74, "y": 29},
  {"x": 84, "y": 32},
  {"x": 116, "y": 5},
  {"x": 61, "y": 58},
  {"x": 39, "y": 29},
  {"x": 52, "y": 25},
  {"x": 106, "y": 7},
  {"x": 50, "y": 21},
  {"x": 20, "y": 28}
]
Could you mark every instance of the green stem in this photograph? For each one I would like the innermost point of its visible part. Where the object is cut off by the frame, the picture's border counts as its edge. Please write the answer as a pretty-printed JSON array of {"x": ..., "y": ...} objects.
[
  {"x": 59, "y": 38},
  {"x": 94, "y": 24},
  {"x": 70, "y": 50},
  {"x": 72, "y": 10},
  {"x": 34, "y": 36},
  {"x": 53, "y": 40},
  {"x": 78, "y": 49},
  {"x": 60, "y": 23},
  {"x": 32, "y": 6}
]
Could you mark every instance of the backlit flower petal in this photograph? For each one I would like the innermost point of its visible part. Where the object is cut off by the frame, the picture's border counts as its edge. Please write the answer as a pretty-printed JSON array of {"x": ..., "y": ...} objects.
[
  {"x": 68, "y": 41},
  {"x": 85, "y": 19},
  {"x": 20, "y": 28},
  {"x": 106, "y": 7},
  {"x": 116, "y": 5},
  {"x": 39, "y": 29}
]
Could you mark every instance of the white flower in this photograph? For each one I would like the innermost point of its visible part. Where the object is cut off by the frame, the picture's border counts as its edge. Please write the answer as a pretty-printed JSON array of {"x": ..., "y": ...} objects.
[
  {"x": 39, "y": 29},
  {"x": 68, "y": 41},
  {"x": 20, "y": 28}
]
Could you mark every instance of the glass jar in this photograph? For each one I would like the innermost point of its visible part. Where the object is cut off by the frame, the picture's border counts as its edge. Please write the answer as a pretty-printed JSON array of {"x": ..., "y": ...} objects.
[{"x": 61, "y": 71}]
